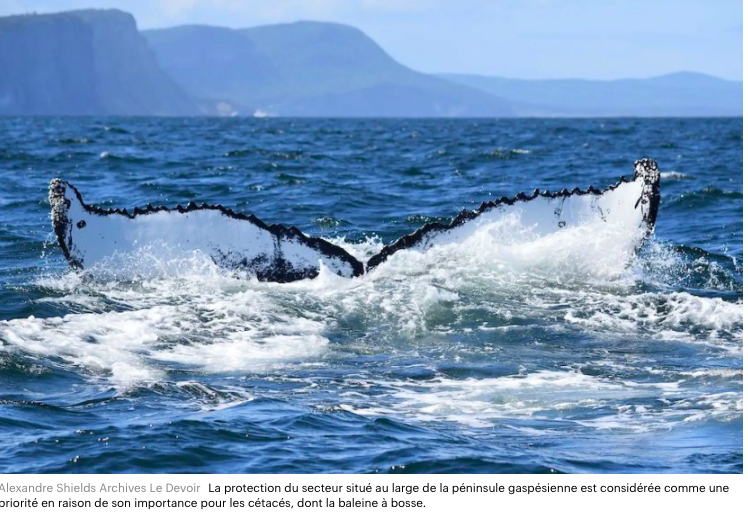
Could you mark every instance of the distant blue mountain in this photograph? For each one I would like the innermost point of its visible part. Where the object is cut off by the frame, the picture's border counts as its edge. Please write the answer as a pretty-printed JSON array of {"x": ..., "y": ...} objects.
[
  {"x": 96, "y": 62},
  {"x": 308, "y": 69},
  {"x": 680, "y": 94}
]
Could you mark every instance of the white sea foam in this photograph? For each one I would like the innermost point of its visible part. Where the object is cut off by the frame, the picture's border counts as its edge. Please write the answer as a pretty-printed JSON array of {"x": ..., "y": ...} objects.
[
  {"x": 596, "y": 402},
  {"x": 674, "y": 316},
  {"x": 674, "y": 175},
  {"x": 214, "y": 325}
]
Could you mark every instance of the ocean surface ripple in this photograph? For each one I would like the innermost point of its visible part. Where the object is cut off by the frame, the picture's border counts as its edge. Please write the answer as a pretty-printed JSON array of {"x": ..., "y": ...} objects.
[{"x": 505, "y": 354}]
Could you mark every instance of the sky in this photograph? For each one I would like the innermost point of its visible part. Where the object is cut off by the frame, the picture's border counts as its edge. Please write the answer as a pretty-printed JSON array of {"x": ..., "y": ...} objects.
[{"x": 532, "y": 39}]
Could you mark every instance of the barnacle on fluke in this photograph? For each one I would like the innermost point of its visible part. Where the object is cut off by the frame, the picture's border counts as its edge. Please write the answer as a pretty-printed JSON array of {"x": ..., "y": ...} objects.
[{"x": 88, "y": 234}]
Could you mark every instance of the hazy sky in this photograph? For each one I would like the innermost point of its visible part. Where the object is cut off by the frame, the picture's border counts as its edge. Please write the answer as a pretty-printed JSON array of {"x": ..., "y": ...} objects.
[{"x": 599, "y": 39}]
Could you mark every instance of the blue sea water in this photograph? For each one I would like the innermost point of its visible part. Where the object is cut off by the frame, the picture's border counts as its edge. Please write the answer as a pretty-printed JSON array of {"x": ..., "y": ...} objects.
[{"x": 505, "y": 355}]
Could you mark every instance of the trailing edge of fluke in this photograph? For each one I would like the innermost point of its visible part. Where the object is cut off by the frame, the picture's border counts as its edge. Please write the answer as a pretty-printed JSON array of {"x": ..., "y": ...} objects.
[{"x": 89, "y": 235}]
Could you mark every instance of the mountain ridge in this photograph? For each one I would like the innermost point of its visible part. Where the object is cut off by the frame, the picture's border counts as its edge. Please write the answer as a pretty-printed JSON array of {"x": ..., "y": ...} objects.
[
  {"x": 678, "y": 94},
  {"x": 96, "y": 62},
  {"x": 309, "y": 69}
]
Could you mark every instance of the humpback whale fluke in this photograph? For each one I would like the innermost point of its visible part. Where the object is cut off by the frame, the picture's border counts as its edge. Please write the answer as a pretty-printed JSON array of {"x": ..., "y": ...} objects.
[
  {"x": 631, "y": 203},
  {"x": 88, "y": 234},
  {"x": 275, "y": 253}
]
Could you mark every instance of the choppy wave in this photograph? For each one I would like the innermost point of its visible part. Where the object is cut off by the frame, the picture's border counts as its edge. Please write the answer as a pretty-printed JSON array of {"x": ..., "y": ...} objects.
[
  {"x": 561, "y": 396},
  {"x": 702, "y": 198},
  {"x": 675, "y": 175}
]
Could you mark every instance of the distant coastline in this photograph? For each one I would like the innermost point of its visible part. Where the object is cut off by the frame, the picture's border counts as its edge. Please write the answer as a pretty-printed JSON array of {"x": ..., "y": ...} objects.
[{"x": 96, "y": 62}]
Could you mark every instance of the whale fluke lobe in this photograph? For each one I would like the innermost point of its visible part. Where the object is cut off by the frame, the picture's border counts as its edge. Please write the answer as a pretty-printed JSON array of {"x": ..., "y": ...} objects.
[
  {"x": 89, "y": 235},
  {"x": 630, "y": 204}
]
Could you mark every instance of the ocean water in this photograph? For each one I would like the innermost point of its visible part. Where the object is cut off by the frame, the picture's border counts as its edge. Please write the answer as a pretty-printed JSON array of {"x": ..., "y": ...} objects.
[{"x": 507, "y": 354}]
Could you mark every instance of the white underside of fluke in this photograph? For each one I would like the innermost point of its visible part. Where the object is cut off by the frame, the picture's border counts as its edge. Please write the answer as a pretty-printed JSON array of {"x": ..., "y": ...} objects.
[
  {"x": 542, "y": 216},
  {"x": 628, "y": 208},
  {"x": 126, "y": 241}
]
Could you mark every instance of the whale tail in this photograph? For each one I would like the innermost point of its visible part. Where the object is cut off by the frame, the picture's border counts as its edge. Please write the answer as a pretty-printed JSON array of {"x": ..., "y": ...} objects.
[
  {"x": 89, "y": 235},
  {"x": 630, "y": 204}
]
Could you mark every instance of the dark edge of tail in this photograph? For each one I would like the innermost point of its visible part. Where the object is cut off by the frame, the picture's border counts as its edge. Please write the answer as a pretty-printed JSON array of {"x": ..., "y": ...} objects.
[
  {"x": 60, "y": 204},
  {"x": 60, "y": 222},
  {"x": 646, "y": 168}
]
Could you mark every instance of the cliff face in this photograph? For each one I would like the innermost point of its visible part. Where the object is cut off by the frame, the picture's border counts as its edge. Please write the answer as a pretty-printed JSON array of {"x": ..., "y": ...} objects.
[
  {"x": 80, "y": 63},
  {"x": 129, "y": 80},
  {"x": 46, "y": 66}
]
